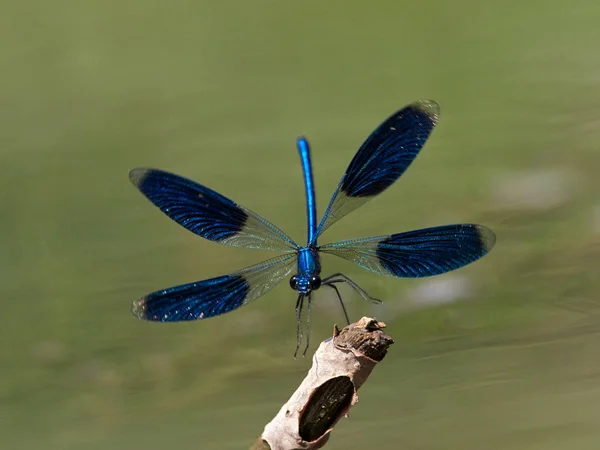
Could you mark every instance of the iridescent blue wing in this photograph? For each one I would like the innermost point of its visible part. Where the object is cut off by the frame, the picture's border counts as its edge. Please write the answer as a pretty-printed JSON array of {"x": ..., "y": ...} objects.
[
  {"x": 215, "y": 296},
  {"x": 382, "y": 159},
  {"x": 419, "y": 253},
  {"x": 208, "y": 213}
]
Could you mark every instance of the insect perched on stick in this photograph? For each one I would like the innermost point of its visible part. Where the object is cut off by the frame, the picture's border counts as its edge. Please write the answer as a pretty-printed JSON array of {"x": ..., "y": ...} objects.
[{"x": 379, "y": 162}]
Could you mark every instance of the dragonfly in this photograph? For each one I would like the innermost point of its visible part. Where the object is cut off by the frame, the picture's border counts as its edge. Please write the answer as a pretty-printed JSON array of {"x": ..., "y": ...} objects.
[{"x": 380, "y": 161}]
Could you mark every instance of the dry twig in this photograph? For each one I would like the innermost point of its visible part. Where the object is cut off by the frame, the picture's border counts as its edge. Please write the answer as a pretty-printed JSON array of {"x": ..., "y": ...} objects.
[{"x": 340, "y": 366}]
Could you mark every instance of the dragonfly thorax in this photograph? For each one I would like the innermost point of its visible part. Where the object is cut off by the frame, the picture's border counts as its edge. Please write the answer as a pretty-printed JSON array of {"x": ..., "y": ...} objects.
[{"x": 307, "y": 278}]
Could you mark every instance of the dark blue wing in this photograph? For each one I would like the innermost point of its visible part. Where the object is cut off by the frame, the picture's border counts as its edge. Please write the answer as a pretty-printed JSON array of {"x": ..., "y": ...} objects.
[
  {"x": 419, "y": 253},
  {"x": 382, "y": 159},
  {"x": 207, "y": 213},
  {"x": 215, "y": 296}
]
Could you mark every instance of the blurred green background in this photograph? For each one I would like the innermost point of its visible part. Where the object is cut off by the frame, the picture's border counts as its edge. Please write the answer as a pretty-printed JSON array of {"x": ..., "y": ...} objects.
[{"x": 502, "y": 354}]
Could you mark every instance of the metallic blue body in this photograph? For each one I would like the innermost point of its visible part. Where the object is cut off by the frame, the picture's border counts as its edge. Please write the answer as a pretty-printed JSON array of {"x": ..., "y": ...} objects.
[
  {"x": 309, "y": 264},
  {"x": 309, "y": 267},
  {"x": 309, "y": 185}
]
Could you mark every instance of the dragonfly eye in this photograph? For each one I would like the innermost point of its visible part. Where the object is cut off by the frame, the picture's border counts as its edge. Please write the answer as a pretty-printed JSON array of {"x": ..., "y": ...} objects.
[
  {"x": 315, "y": 283},
  {"x": 294, "y": 282}
]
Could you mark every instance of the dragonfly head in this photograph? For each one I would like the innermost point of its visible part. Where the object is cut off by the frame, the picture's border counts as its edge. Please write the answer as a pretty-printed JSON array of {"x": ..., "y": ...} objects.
[{"x": 305, "y": 284}]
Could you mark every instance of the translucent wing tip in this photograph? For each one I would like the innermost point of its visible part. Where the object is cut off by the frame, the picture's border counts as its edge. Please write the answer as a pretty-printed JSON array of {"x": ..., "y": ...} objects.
[
  {"x": 486, "y": 236},
  {"x": 140, "y": 309},
  {"x": 137, "y": 176},
  {"x": 429, "y": 108}
]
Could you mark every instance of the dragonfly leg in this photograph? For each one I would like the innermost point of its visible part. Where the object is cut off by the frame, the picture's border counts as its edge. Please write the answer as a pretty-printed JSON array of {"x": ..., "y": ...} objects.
[
  {"x": 341, "y": 278},
  {"x": 307, "y": 326},
  {"x": 334, "y": 287},
  {"x": 299, "y": 304}
]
